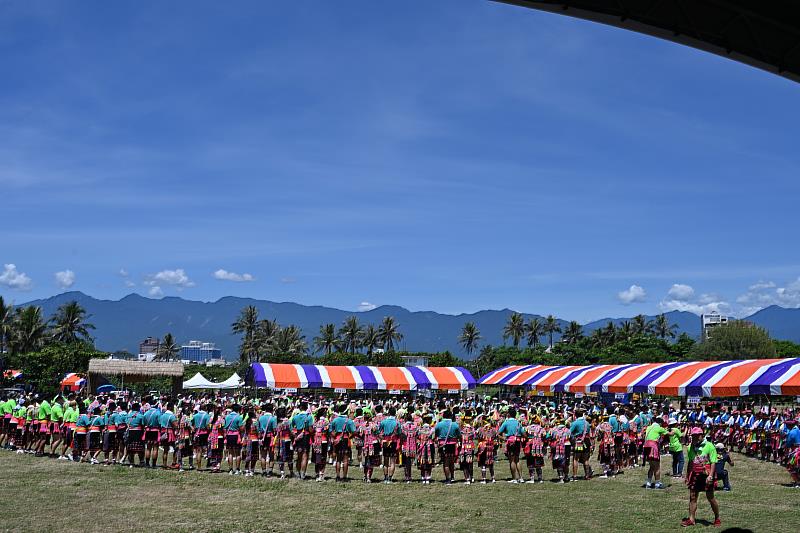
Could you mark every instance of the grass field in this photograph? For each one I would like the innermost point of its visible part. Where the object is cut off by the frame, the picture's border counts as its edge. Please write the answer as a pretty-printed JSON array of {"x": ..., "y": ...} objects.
[{"x": 50, "y": 495}]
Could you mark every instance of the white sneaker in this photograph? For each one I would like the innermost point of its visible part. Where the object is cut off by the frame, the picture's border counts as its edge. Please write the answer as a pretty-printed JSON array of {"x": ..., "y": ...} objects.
[{"x": 531, "y": 481}]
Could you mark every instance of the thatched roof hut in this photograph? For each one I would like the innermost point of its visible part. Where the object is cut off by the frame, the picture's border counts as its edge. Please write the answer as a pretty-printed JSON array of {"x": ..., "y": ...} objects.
[{"x": 134, "y": 371}]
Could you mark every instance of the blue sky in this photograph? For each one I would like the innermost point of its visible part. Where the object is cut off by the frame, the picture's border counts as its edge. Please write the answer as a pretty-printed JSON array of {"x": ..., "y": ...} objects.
[{"x": 454, "y": 155}]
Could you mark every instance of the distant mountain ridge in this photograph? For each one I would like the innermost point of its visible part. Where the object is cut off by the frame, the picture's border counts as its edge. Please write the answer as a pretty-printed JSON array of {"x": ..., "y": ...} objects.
[{"x": 122, "y": 324}]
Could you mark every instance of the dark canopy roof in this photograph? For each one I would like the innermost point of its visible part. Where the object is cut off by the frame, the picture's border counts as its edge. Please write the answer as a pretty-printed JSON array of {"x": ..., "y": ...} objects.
[{"x": 761, "y": 33}]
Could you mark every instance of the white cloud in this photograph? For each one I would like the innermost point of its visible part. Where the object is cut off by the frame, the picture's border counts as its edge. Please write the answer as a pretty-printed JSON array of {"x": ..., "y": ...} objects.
[
  {"x": 287, "y": 280},
  {"x": 65, "y": 279},
  {"x": 155, "y": 292},
  {"x": 634, "y": 294},
  {"x": 232, "y": 276},
  {"x": 762, "y": 285},
  {"x": 176, "y": 278},
  {"x": 126, "y": 279},
  {"x": 696, "y": 307},
  {"x": 366, "y": 306},
  {"x": 766, "y": 293},
  {"x": 681, "y": 292},
  {"x": 14, "y": 279}
]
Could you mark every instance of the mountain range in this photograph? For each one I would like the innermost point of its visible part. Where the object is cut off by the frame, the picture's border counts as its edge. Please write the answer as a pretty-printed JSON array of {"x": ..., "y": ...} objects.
[{"x": 122, "y": 324}]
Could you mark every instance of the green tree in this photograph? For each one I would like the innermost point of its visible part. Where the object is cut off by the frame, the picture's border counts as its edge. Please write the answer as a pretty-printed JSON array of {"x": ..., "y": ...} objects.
[
  {"x": 786, "y": 348},
  {"x": 45, "y": 367},
  {"x": 736, "y": 339},
  {"x": 6, "y": 327},
  {"x": 641, "y": 326},
  {"x": 550, "y": 327},
  {"x": 389, "y": 333},
  {"x": 444, "y": 359},
  {"x": 351, "y": 334},
  {"x": 514, "y": 329},
  {"x": 625, "y": 331},
  {"x": 372, "y": 340},
  {"x": 265, "y": 334},
  {"x": 573, "y": 333},
  {"x": 69, "y": 324},
  {"x": 469, "y": 338},
  {"x": 28, "y": 330},
  {"x": 246, "y": 325},
  {"x": 288, "y": 345},
  {"x": 327, "y": 342},
  {"x": 168, "y": 349},
  {"x": 663, "y": 329},
  {"x": 534, "y": 330}
]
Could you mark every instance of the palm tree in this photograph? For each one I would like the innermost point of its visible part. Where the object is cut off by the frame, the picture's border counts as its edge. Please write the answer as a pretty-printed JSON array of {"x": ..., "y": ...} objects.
[
  {"x": 641, "y": 326},
  {"x": 389, "y": 333},
  {"x": 574, "y": 333},
  {"x": 288, "y": 343},
  {"x": 610, "y": 333},
  {"x": 168, "y": 349},
  {"x": 69, "y": 323},
  {"x": 265, "y": 332},
  {"x": 598, "y": 338},
  {"x": 29, "y": 330},
  {"x": 663, "y": 328},
  {"x": 534, "y": 329},
  {"x": 551, "y": 326},
  {"x": 6, "y": 321},
  {"x": 372, "y": 339},
  {"x": 514, "y": 329},
  {"x": 625, "y": 331},
  {"x": 350, "y": 335},
  {"x": 247, "y": 324},
  {"x": 469, "y": 337},
  {"x": 327, "y": 341}
]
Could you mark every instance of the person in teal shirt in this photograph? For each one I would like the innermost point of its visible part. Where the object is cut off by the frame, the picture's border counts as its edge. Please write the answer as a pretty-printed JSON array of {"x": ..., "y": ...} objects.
[
  {"x": 168, "y": 422},
  {"x": 342, "y": 429},
  {"x": 267, "y": 426},
  {"x": 511, "y": 429},
  {"x": 579, "y": 431},
  {"x": 233, "y": 445},
  {"x": 448, "y": 433},
  {"x": 300, "y": 425},
  {"x": 389, "y": 430},
  {"x": 152, "y": 433}
]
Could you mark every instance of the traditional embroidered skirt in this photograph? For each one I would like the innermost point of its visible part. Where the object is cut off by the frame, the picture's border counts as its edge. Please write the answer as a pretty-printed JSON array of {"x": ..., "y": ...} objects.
[
  {"x": 135, "y": 443},
  {"x": 651, "y": 451},
  {"x": 95, "y": 441}
]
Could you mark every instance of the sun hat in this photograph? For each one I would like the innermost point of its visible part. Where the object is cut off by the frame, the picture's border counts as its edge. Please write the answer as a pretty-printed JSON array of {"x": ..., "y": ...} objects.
[
  {"x": 696, "y": 431},
  {"x": 719, "y": 446},
  {"x": 672, "y": 422}
]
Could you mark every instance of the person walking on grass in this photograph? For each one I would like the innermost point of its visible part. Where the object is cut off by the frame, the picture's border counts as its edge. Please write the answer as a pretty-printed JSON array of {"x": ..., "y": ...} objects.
[{"x": 702, "y": 456}]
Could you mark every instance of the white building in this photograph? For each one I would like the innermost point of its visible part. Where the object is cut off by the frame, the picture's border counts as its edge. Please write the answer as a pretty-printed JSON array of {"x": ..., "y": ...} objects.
[{"x": 710, "y": 321}]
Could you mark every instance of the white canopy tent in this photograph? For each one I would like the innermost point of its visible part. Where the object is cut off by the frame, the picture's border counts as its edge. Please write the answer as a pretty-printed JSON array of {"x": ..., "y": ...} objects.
[
  {"x": 198, "y": 381},
  {"x": 233, "y": 382}
]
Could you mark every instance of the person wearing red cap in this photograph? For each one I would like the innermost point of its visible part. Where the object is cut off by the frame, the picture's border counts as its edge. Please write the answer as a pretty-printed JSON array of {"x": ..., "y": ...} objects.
[{"x": 702, "y": 457}]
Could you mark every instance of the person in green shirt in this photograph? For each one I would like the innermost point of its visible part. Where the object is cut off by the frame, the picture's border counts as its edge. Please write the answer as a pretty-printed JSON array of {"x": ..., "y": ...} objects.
[
  {"x": 56, "y": 416},
  {"x": 6, "y": 408},
  {"x": 676, "y": 448},
  {"x": 653, "y": 434},
  {"x": 702, "y": 457}
]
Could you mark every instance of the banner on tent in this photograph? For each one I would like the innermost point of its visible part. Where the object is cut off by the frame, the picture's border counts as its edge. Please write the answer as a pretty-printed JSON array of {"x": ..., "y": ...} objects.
[
  {"x": 579, "y": 395},
  {"x": 339, "y": 390},
  {"x": 453, "y": 391},
  {"x": 290, "y": 390},
  {"x": 693, "y": 399},
  {"x": 394, "y": 391}
]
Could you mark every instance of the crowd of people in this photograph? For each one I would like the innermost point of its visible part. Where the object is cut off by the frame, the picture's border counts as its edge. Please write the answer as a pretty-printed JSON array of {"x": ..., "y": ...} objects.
[{"x": 404, "y": 437}]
